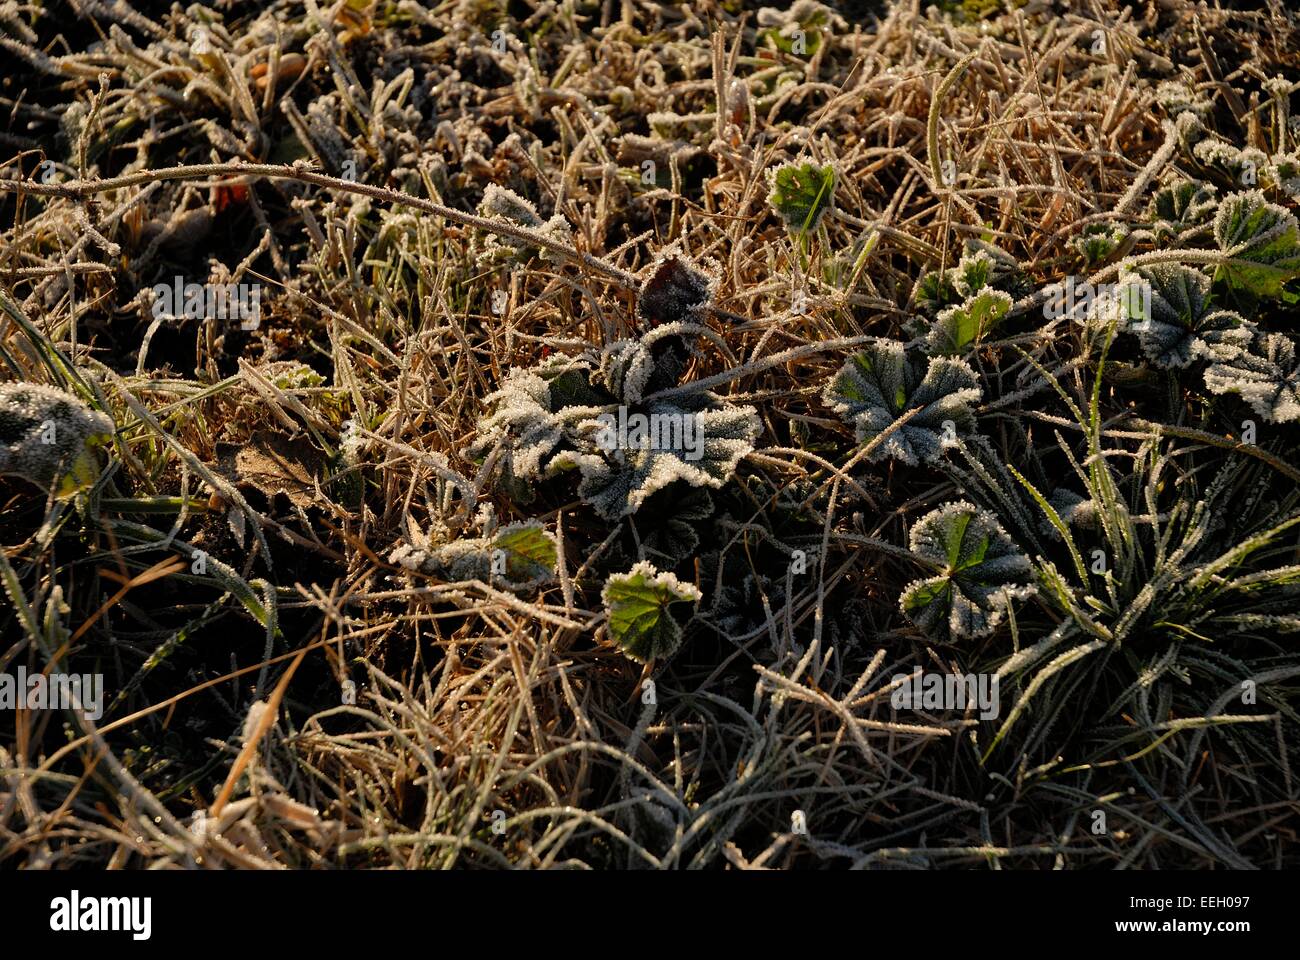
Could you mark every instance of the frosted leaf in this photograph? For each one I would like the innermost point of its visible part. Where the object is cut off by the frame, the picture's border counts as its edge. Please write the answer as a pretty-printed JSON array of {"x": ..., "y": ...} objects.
[
  {"x": 527, "y": 419},
  {"x": 617, "y": 482},
  {"x": 1189, "y": 129},
  {"x": 1266, "y": 376},
  {"x": 636, "y": 604},
  {"x": 807, "y": 16},
  {"x": 1230, "y": 161},
  {"x": 674, "y": 292},
  {"x": 983, "y": 266},
  {"x": 1179, "y": 206},
  {"x": 1005, "y": 272},
  {"x": 1176, "y": 97},
  {"x": 958, "y": 328},
  {"x": 1072, "y": 509},
  {"x": 1100, "y": 241},
  {"x": 1284, "y": 172},
  {"x": 934, "y": 291},
  {"x": 520, "y": 556},
  {"x": 1182, "y": 324},
  {"x": 801, "y": 194},
  {"x": 625, "y": 369},
  {"x": 974, "y": 272},
  {"x": 48, "y": 437},
  {"x": 500, "y": 203},
  {"x": 1263, "y": 241},
  {"x": 982, "y": 572},
  {"x": 878, "y": 385}
]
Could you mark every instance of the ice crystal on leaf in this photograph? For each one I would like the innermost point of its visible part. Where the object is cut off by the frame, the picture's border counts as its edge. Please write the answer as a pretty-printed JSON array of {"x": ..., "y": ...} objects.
[
  {"x": 981, "y": 572},
  {"x": 877, "y": 386},
  {"x": 1266, "y": 376},
  {"x": 959, "y": 328},
  {"x": 1179, "y": 206},
  {"x": 676, "y": 291},
  {"x": 500, "y": 203},
  {"x": 1261, "y": 241},
  {"x": 802, "y": 193},
  {"x": 1182, "y": 325},
  {"x": 519, "y": 556},
  {"x": 617, "y": 482}
]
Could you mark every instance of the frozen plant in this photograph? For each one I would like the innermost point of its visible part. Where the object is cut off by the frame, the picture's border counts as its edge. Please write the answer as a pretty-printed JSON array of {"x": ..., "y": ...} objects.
[
  {"x": 979, "y": 571},
  {"x": 48, "y": 437},
  {"x": 881, "y": 383},
  {"x": 1181, "y": 324}
]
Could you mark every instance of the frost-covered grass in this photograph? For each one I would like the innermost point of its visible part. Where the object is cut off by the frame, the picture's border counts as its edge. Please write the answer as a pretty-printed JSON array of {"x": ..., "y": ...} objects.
[{"x": 636, "y": 394}]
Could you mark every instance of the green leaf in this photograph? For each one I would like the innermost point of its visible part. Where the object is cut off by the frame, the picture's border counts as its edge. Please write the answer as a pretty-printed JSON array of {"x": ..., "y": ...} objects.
[
  {"x": 802, "y": 193},
  {"x": 982, "y": 572},
  {"x": 961, "y": 327},
  {"x": 637, "y": 605},
  {"x": 1100, "y": 241},
  {"x": 875, "y": 387},
  {"x": 530, "y": 552},
  {"x": 1261, "y": 241},
  {"x": 934, "y": 291}
]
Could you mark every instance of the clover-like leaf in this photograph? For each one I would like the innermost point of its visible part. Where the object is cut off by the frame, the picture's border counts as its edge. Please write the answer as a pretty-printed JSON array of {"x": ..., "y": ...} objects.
[
  {"x": 802, "y": 193},
  {"x": 981, "y": 572},
  {"x": 48, "y": 437},
  {"x": 958, "y": 328},
  {"x": 877, "y": 386},
  {"x": 675, "y": 292},
  {"x": 1179, "y": 206},
  {"x": 637, "y": 603},
  {"x": 1266, "y": 376},
  {"x": 1168, "y": 307},
  {"x": 643, "y": 451},
  {"x": 1261, "y": 241}
]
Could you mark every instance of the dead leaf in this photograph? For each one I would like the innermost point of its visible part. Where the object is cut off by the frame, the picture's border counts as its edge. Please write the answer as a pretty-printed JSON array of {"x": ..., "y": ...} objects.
[{"x": 273, "y": 464}]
